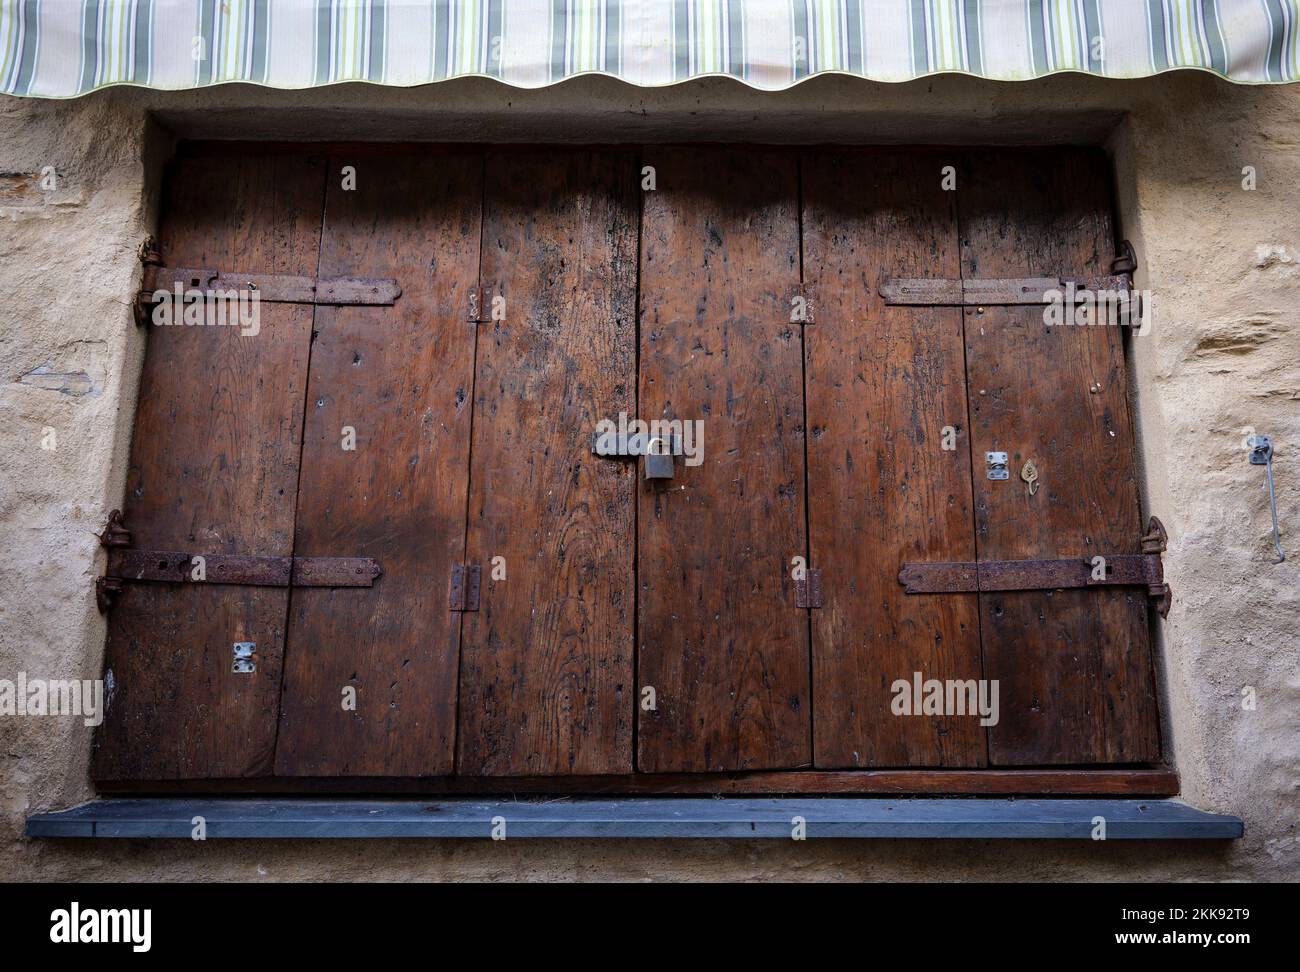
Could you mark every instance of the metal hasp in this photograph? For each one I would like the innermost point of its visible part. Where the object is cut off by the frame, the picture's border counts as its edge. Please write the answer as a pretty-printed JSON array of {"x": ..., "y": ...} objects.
[
  {"x": 1261, "y": 454},
  {"x": 1120, "y": 570},
  {"x": 658, "y": 450},
  {"x": 126, "y": 565},
  {"x": 997, "y": 465},
  {"x": 463, "y": 592}
]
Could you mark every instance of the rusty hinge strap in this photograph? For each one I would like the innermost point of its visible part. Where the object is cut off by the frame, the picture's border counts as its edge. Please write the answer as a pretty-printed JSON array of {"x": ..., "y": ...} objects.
[
  {"x": 1142, "y": 570},
  {"x": 466, "y": 579},
  {"x": 947, "y": 292},
  {"x": 274, "y": 288},
  {"x": 808, "y": 589},
  {"x": 1028, "y": 575},
  {"x": 184, "y": 567}
]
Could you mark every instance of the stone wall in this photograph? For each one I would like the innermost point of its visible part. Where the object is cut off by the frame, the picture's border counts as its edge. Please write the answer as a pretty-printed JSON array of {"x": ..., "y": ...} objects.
[{"x": 1223, "y": 356}]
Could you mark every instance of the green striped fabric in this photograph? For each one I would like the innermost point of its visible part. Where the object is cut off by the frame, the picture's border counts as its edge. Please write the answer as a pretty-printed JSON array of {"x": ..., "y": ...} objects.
[{"x": 64, "y": 48}]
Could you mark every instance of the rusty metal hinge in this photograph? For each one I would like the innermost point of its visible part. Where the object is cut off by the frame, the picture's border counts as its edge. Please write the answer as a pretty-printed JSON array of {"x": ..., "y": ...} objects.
[
  {"x": 808, "y": 589},
  {"x": 464, "y": 590},
  {"x": 479, "y": 306},
  {"x": 1145, "y": 570},
  {"x": 126, "y": 565},
  {"x": 990, "y": 291},
  {"x": 187, "y": 282},
  {"x": 115, "y": 533},
  {"x": 801, "y": 301},
  {"x": 1126, "y": 263}
]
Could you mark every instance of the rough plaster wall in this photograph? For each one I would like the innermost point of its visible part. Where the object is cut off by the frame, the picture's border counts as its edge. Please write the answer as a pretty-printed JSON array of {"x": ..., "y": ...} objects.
[{"x": 1224, "y": 354}]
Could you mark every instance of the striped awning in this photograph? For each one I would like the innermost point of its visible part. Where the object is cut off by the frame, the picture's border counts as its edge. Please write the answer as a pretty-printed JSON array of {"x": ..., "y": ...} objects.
[{"x": 64, "y": 48}]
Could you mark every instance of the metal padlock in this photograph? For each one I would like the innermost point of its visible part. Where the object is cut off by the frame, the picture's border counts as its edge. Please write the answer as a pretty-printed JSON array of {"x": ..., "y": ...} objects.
[{"x": 659, "y": 459}]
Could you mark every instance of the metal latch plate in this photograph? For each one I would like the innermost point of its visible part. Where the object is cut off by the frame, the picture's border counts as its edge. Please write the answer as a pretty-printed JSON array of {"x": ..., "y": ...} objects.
[
  {"x": 997, "y": 465},
  {"x": 244, "y": 663}
]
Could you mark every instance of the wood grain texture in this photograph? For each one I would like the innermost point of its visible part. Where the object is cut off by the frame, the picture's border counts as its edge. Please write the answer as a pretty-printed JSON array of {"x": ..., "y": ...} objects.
[
  {"x": 882, "y": 384},
  {"x": 214, "y": 464},
  {"x": 546, "y": 681},
  {"x": 720, "y": 638},
  {"x": 400, "y": 377},
  {"x": 1074, "y": 666}
]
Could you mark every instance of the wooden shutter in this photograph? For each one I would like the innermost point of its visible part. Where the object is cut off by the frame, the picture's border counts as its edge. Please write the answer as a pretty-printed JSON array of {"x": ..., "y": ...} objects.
[
  {"x": 883, "y": 384},
  {"x": 546, "y": 679},
  {"x": 1074, "y": 666},
  {"x": 214, "y": 469},
  {"x": 721, "y": 640},
  {"x": 400, "y": 378}
]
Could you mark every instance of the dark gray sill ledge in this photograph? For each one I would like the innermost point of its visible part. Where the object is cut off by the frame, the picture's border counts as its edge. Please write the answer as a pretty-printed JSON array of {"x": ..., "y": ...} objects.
[{"x": 732, "y": 817}]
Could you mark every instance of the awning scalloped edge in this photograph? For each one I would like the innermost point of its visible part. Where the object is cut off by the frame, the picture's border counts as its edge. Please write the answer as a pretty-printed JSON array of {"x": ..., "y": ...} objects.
[{"x": 66, "y": 48}]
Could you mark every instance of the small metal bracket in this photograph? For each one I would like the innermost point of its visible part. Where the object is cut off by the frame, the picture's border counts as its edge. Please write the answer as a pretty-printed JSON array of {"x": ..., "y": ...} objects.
[
  {"x": 808, "y": 589},
  {"x": 1261, "y": 454},
  {"x": 466, "y": 579},
  {"x": 244, "y": 663},
  {"x": 997, "y": 465},
  {"x": 1261, "y": 450},
  {"x": 115, "y": 533}
]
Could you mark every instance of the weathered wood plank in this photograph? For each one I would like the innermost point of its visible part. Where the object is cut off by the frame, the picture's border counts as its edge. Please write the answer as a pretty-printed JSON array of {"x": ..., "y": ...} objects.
[
  {"x": 399, "y": 377},
  {"x": 1074, "y": 666},
  {"x": 886, "y": 485},
  {"x": 214, "y": 466},
  {"x": 721, "y": 640},
  {"x": 546, "y": 682}
]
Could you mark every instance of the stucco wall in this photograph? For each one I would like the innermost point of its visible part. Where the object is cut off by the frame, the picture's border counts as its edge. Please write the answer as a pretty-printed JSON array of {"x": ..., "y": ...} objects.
[{"x": 1223, "y": 355}]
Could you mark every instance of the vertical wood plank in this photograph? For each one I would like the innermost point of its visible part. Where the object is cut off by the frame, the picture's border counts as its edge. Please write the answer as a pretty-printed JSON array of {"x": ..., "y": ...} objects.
[
  {"x": 400, "y": 377},
  {"x": 214, "y": 463},
  {"x": 883, "y": 383},
  {"x": 546, "y": 681},
  {"x": 720, "y": 638},
  {"x": 1074, "y": 666}
]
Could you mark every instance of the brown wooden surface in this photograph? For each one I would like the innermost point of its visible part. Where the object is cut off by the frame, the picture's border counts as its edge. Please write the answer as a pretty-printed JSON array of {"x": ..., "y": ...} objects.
[
  {"x": 1056, "y": 782},
  {"x": 720, "y": 638},
  {"x": 542, "y": 695},
  {"x": 883, "y": 382},
  {"x": 1074, "y": 666},
  {"x": 546, "y": 679},
  {"x": 213, "y": 469},
  {"x": 401, "y": 377}
]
